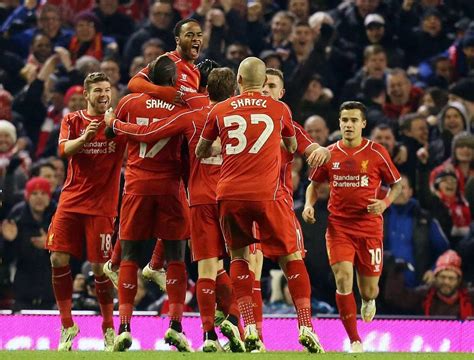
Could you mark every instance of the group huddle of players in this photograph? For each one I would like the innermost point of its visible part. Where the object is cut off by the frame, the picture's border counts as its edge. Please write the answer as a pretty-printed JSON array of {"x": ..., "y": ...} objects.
[{"x": 236, "y": 200}]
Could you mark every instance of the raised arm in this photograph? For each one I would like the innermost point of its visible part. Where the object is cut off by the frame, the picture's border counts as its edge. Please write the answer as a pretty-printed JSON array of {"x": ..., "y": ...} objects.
[{"x": 70, "y": 147}]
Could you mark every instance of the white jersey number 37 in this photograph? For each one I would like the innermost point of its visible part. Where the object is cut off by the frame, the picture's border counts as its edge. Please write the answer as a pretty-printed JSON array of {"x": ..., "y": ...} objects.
[{"x": 239, "y": 133}]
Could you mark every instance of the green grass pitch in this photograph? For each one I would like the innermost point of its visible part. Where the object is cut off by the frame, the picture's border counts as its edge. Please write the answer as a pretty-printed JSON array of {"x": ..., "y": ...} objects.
[{"x": 145, "y": 355}]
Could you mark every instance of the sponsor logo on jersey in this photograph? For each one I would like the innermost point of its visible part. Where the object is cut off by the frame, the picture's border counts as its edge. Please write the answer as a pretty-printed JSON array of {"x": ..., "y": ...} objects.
[{"x": 350, "y": 181}]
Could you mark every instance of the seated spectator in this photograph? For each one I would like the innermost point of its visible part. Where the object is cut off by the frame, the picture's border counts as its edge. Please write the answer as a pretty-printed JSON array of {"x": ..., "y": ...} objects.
[
  {"x": 88, "y": 38},
  {"x": 375, "y": 67},
  {"x": 403, "y": 97},
  {"x": 46, "y": 170},
  {"x": 159, "y": 25},
  {"x": 25, "y": 233},
  {"x": 452, "y": 120},
  {"x": 446, "y": 296},
  {"x": 317, "y": 128},
  {"x": 411, "y": 234}
]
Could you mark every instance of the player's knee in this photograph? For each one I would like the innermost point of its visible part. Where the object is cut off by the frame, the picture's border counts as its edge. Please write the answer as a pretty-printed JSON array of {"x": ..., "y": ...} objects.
[
  {"x": 59, "y": 259},
  {"x": 369, "y": 292},
  {"x": 343, "y": 281},
  {"x": 97, "y": 269},
  {"x": 207, "y": 268}
]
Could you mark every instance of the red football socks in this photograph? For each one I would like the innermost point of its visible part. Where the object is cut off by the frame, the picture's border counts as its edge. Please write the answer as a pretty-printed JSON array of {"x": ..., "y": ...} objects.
[
  {"x": 225, "y": 297},
  {"x": 242, "y": 283},
  {"x": 158, "y": 258},
  {"x": 348, "y": 313},
  {"x": 127, "y": 289},
  {"x": 105, "y": 295},
  {"x": 116, "y": 255},
  {"x": 300, "y": 290},
  {"x": 62, "y": 286},
  {"x": 206, "y": 298},
  {"x": 258, "y": 307},
  {"x": 176, "y": 285}
]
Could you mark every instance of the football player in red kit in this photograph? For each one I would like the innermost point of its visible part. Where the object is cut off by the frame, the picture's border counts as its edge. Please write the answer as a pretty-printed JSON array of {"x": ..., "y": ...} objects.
[
  {"x": 87, "y": 205},
  {"x": 354, "y": 235},
  {"x": 251, "y": 127}
]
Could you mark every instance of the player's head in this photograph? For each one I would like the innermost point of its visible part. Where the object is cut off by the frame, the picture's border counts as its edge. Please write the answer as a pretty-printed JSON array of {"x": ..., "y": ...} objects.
[
  {"x": 163, "y": 71},
  {"x": 352, "y": 119},
  {"x": 251, "y": 73},
  {"x": 188, "y": 35},
  {"x": 221, "y": 84},
  {"x": 205, "y": 67},
  {"x": 275, "y": 84},
  {"x": 98, "y": 93}
]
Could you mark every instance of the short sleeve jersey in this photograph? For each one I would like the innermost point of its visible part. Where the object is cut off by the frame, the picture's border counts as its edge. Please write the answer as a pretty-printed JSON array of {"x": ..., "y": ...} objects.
[
  {"x": 304, "y": 141},
  {"x": 250, "y": 127},
  {"x": 93, "y": 175},
  {"x": 188, "y": 75},
  {"x": 355, "y": 176},
  {"x": 205, "y": 172},
  {"x": 153, "y": 168}
]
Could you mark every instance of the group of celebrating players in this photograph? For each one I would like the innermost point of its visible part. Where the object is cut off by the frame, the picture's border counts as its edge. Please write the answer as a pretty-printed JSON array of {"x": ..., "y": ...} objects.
[{"x": 236, "y": 200}]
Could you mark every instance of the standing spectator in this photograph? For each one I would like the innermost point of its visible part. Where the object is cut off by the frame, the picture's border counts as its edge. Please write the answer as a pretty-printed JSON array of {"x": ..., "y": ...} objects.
[
  {"x": 151, "y": 49},
  {"x": 383, "y": 134},
  {"x": 46, "y": 170},
  {"x": 412, "y": 235},
  {"x": 375, "y": 98},
  {"x": 300, "y": 8},
  {"x": 114, "y": 23},
  {"x": 111, "y": 68},
  {"x": 159, "y": 25},
  {"x": 317, "y": 128},
  {"x": 25, "y": 232},
  {"x": 302, "y": 41},
  {"x": 447, "y": 296},
  {"x": 403, "y": 97}
]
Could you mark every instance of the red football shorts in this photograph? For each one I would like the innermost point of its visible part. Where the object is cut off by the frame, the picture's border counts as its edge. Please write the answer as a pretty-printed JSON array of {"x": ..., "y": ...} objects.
[
  {"x": 278, "y": 235},
  {"x": 145, "y": 217},
  {"x": 68, "y": 231},
  {"x": 366, "y": 253},
  {"x": 206, "y": 237}
]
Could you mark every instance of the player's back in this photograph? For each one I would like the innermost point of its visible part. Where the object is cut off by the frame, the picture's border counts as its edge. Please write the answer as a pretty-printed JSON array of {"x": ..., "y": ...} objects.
[
  {"x": 93, "y": 176},
  {"x": 149, "y": 165},
  {"x": 250, "y": 127}
]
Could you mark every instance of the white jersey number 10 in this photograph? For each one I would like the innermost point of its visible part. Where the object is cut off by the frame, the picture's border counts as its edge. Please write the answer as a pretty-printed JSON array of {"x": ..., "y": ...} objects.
[{"x": 239, "y": 133}]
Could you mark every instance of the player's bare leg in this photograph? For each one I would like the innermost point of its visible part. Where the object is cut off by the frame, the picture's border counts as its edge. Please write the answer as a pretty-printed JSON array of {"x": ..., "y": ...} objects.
[
  {"x": 131, "y": 253},
  {"x": 62, "y": 286},
  {"x": 105, "y": 295},
  {"x": 176, "y": 284},
  {"x": 300, "y": 290},
  {"x": 369, "y": 290},
  {"x": 346, "y": 304},
  {"x": 255, "y": 265},
  {"x": 154, "y": 270}
]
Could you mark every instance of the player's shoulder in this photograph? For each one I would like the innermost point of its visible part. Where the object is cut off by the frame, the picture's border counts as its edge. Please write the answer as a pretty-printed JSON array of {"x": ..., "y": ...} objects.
[
  {"x": 75, "y": 116},
  {"x": 377, "y": 148},
  {"x": 173, "y": 55},
  {"x": 333, "y": 147}
]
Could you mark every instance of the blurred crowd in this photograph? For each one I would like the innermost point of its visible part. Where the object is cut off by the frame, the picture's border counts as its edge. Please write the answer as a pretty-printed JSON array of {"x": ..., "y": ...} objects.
[{"x": 411, "y": 62}]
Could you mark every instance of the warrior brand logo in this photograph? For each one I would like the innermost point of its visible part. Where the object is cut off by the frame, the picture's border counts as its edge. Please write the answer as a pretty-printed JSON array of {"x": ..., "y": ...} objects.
[
  {"x": 293, "y": 277},
  {"x": 243, "y": 277},
  {"x": 129, "y": 286},
  {"x": 171, "y": 281},
  {"x": 208, "y": 291},
  {"x": 336, "y": 165}
]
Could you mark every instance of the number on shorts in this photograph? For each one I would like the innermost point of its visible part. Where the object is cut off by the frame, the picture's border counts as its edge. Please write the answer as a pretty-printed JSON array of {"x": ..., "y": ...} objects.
[
  {"x": 376, "y": 256},
  {"x": 156, "y": 148},
  {"x": 105, "y": 242},
  {"x": 240, "y": 136}
]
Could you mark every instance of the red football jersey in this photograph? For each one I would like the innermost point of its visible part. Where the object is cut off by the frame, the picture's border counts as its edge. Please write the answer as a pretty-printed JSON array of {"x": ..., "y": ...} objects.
[
  {"x": 304, "y": 140},
  {"x": 355, "y": 176},
  {"x": 204, "y": 173},
  {"x": 152, "y": 169},
  {"x": 188, "y": 75},
  {"x": 250, "y": 126},
  {"x": 93, "y": 175}
]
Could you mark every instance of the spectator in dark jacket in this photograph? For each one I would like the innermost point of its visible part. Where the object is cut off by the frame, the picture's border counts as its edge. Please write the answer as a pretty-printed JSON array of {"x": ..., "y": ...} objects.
[
  {"x": 446, "y": 296},
  {"x": 25, "y": 233}
]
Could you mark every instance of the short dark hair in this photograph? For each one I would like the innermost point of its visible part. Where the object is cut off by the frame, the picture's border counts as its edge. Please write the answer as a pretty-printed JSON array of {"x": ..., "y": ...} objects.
[
  {"x": 373, "y": 50},
  {"x": 406, "y": 121},
  {"x": 162, "y": 71},
  {"x": 93, "y": 78},
  {"x": 36, "y": 168},
  {"x": 276, "y": 72},
  {"x": 155, "y": 42},
  {"x": 180, "y": 23},
  {"x": 384, "y": 127},
  {"x": 221, "y": 84},
  {"x": 351, "y": 105},
  {"x": 373, "y": 87}
]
